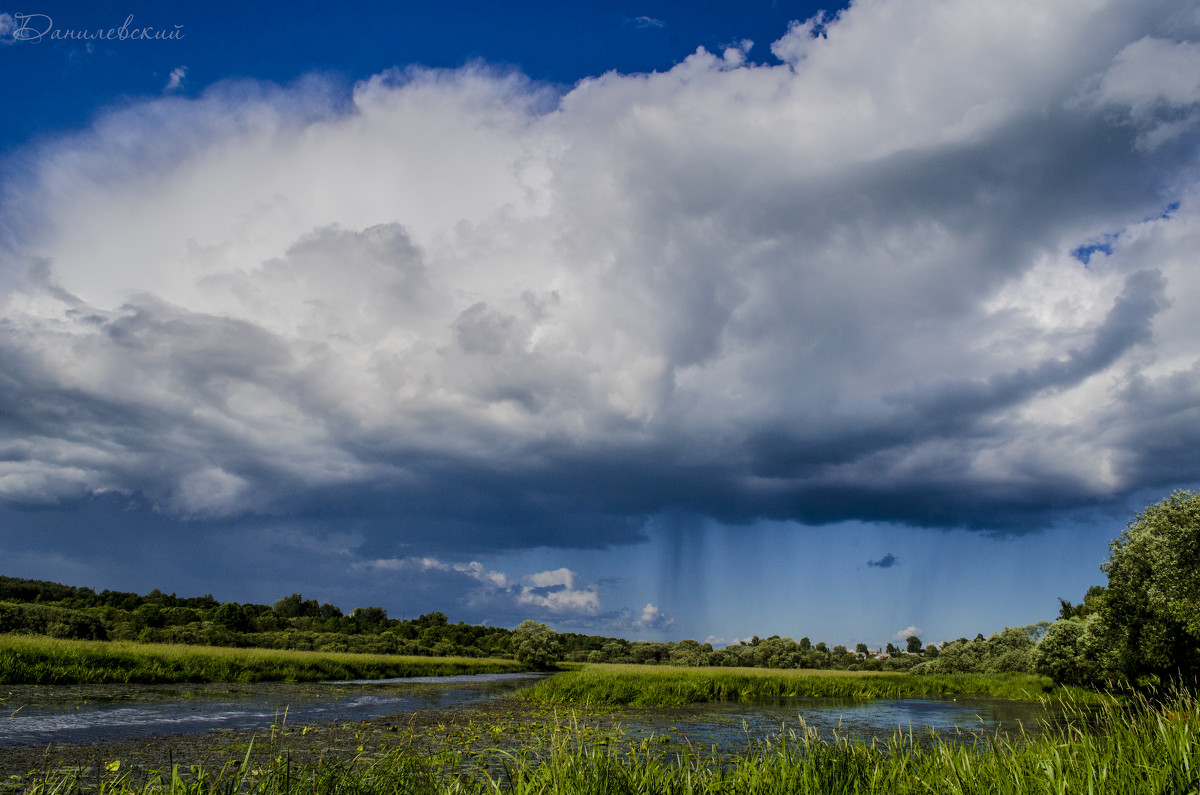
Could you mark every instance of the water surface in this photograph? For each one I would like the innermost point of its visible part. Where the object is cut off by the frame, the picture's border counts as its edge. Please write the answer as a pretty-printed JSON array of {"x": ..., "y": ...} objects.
[
  {"x": 37, "y": 716},
  {"x": 83, "y": 713}
]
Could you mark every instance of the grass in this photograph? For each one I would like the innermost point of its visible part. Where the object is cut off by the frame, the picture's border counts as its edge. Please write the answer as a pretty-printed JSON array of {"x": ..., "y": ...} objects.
[
  {"x": 35, "y": 660},
  {"x": 635, "y": 685},
  {"x": 1134, "y": 749}
]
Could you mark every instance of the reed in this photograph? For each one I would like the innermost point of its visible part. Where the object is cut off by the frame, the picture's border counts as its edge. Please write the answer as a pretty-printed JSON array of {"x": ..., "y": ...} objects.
[
  {"x": 619, "y": 685},
  {"x": 26, "y": 659}
]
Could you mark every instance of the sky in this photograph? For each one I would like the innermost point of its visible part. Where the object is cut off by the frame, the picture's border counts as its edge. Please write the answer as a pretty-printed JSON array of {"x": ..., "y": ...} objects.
[{"x": 659, "y": 320}]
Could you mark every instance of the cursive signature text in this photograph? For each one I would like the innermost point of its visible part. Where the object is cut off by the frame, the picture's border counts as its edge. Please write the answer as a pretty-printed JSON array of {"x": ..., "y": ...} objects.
[{"x": 38, "y": 27}]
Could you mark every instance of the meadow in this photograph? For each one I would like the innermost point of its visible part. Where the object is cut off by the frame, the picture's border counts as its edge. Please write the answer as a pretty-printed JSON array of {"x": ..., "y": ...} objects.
[
  {"x": 638, "y": 685},
  {"x": 37, "y": 660}
]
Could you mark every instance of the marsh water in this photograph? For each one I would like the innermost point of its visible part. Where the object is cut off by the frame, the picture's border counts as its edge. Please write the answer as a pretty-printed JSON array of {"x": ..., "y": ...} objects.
[
  {"x": 40, "y": 716},
  {"x": 84, "y": 713}
]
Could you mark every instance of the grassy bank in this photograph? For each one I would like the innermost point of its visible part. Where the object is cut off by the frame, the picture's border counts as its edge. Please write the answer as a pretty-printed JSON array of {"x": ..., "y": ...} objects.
[
  {"x": 1130, "y": 750},
  {"x": 36, "y": 660},
  {"x": 635, "y": 685}
]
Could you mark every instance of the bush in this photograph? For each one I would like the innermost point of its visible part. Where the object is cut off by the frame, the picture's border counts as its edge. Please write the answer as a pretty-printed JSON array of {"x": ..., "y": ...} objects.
[{"x": 57, "y": 622}]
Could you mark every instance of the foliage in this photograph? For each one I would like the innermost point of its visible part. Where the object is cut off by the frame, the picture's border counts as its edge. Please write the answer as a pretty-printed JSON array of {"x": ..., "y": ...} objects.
[
  {"x": 43, "y": 661},
  {"x": 1144, "y": 627},
  {"x": 620, "y": 685},
  {"x": 1008, "y": 651},
  {"x": 1151, "y": 607},
  {"x": 536, "y": 645},
  {"x": 301, "y": 624},
  {"x": 56, "y": 622},
  {"x": 1074, "y": 652},
  {"x": 47, "y": 608}
]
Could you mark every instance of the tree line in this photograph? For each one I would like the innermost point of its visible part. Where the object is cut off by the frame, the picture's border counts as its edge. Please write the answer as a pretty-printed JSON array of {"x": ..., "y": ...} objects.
[
  {"x": 1142, "y": 628},
  {"x": 293, "y": 622}
]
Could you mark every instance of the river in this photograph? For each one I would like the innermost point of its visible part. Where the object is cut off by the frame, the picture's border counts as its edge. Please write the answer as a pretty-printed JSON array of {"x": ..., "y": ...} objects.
[{"x": 40, "y": 716}]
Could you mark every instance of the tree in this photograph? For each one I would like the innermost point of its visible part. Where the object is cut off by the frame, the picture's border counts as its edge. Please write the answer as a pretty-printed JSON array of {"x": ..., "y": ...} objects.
[
  {"x": 691, "y": 653},
  {"x": 1073, "y": 652},
  {"x": 1090, "y": 604},
  {"x": 231, "y": 616},
  {"x": 369, "y": 619},
  {"x": 536, "y": 645},
  {"x": 860, "y": 648},
  {"x": 914, "y": 644},
  {"x": 1151, "y": 608},
  {"x": 289, "y": 606}
]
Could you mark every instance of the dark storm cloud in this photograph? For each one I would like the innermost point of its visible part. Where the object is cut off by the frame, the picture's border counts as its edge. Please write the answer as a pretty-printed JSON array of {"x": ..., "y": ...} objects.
[
  {"x": 886, "y": 562},
  {"x": 837, "y": 288}
]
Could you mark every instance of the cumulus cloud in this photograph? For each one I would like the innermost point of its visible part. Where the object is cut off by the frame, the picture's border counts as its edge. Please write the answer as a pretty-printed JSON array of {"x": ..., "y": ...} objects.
[
  {"x": 555, "y": 595},
  {"x": 652, "y": 618},
  {"x": 477, "y": 314},
  {"x": 886, "y": 562},
  {"x": 906, "y": 632}
]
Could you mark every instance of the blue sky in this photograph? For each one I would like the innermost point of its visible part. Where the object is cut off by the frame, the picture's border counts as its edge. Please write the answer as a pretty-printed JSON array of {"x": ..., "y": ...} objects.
[{"x": 652, "y": 320}]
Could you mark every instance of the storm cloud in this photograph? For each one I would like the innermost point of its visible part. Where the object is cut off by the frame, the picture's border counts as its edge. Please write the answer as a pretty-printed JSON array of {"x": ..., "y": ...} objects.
[{"x": 934, "y": 264}]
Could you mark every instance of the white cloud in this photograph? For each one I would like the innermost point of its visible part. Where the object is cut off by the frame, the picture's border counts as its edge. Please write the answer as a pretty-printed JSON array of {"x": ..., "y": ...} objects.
[
  {"x": 841, "y": 287},
  {"x": 550, "y": 594},
  {"x": 556, "y": 591},
  {"x": 652, "y": 618},
  {"x": 906, "y": 632},
  {"x": 175, "y": 81},
  {"x": 1157, "y": 81},
  {"x": 645, "y": 22}
]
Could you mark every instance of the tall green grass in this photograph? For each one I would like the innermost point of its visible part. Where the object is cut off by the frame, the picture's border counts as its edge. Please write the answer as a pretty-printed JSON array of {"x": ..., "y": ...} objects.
[
  {"x": 1142, "y": 750},
  {"x": 619, "y": 685},
  {"x": 36, "y": 660}
]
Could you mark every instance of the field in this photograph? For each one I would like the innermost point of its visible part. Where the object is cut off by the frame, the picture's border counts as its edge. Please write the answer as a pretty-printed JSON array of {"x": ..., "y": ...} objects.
[
  {"x": 27, "y": 659},
  {"x": 650, "y": 686}
]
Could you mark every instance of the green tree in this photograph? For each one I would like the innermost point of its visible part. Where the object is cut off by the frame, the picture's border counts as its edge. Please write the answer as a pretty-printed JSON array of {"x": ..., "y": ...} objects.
[
  {"x": 289, "y": 606},
  {"x": 914, "y": 644},
  {"x": 536, "y": 645},
  {"x": 691, "y": 653},
  {"x": 1091, "y": 603},
  {"x": 231, "y": 616},
  {"x": 1073, "y": 652},
  {"x": 1151, "y": 608},
  {"x": 860, "y": 648},
  {"x": 369, "y": 619}
]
